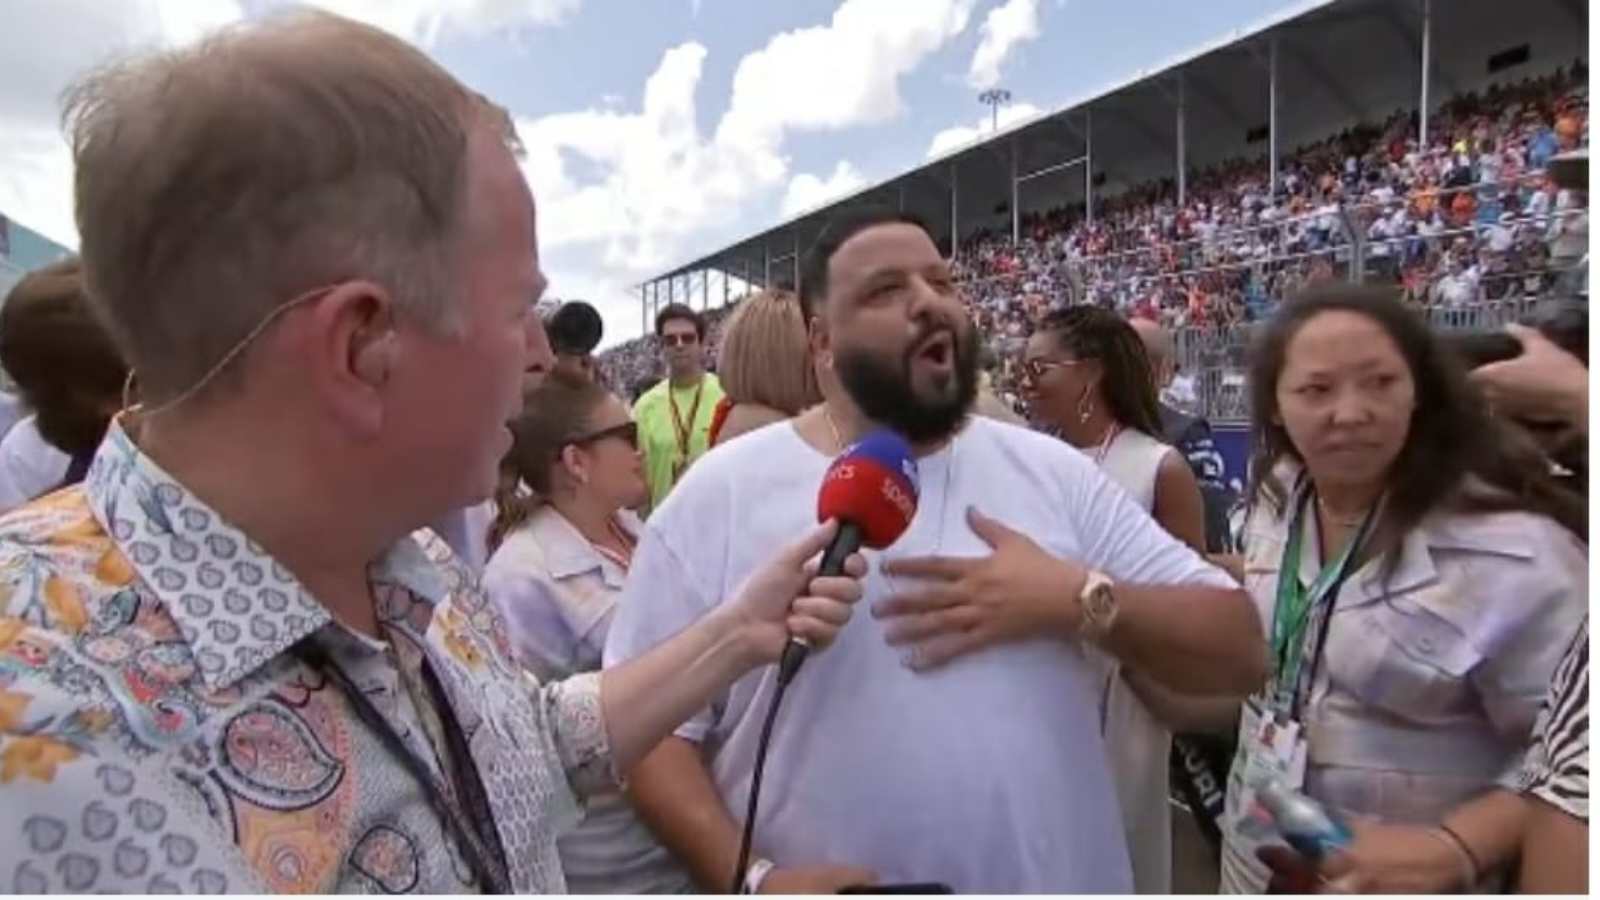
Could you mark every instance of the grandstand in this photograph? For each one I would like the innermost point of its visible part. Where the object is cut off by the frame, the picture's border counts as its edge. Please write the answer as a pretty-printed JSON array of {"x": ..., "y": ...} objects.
[{"x": 1207, "y": 187}]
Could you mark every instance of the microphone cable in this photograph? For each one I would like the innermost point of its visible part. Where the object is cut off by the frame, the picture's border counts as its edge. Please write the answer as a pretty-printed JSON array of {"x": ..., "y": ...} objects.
[{"x": 794, "y": 653}]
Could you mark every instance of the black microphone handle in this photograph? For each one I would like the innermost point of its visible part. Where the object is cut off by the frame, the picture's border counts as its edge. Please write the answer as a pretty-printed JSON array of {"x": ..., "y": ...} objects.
[{"x": 846, "y": 542}]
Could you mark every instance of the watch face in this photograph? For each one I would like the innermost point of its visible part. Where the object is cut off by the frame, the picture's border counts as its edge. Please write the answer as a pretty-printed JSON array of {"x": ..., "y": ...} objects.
[{"x": 1099, "y": 605}]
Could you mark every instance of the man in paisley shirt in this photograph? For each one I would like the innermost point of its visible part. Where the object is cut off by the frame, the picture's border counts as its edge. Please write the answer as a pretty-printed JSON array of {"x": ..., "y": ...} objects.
[{"x": 225, "y": 664}]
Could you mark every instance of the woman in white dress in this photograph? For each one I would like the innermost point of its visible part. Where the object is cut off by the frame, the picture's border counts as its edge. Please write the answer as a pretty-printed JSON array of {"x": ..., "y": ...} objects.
[{"x": 1086, "y": 377}]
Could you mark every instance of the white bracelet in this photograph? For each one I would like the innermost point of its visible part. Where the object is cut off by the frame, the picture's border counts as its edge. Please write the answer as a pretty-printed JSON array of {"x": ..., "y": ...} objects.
[{"x": 756, "y": 874}]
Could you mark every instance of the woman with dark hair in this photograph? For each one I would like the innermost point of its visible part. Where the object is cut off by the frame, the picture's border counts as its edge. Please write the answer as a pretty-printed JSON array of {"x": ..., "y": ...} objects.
[
  {"x": 1086, "y": 375},
  {"x": 1419, "y": 575},
  {"x": 70, "y": 375},
  {"x": 561, "y": 545}
]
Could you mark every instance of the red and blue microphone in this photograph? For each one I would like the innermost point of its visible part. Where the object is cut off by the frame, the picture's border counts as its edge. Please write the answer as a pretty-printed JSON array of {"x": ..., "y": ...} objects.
[{"x": 871, "y": 489}]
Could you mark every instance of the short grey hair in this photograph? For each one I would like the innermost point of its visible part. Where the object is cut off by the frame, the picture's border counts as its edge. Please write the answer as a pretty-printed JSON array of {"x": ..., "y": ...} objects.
[{"x": 216, "y": 182}]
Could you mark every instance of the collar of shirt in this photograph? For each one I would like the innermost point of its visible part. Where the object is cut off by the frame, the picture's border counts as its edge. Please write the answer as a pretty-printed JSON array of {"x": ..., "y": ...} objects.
[
  {"x": 568, "y": 553},
  {"x": 236, "y": 607}
]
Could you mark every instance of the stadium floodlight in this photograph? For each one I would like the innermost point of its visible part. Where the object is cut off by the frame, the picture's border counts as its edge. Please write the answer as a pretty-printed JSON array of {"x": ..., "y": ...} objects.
[{"x": 995, "y": 98}]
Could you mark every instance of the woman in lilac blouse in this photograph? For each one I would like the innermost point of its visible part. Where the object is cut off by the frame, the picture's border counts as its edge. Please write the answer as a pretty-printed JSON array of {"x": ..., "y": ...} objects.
[{"x": 560, "y": 559}]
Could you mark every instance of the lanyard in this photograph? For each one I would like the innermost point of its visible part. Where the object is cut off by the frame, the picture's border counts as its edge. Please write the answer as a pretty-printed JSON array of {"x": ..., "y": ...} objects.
[
  {"x": 684, "y": 431},
  {"x": 477, "y": 837},
  {"x": 1296, "y": 604}
]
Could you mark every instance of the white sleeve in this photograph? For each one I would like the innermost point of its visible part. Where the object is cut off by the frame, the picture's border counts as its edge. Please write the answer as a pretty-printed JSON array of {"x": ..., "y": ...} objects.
[
  {"x": 29, "y": 466},
  {"x": 1122, "y": 540},
  {"x": 661, "y": 599}
]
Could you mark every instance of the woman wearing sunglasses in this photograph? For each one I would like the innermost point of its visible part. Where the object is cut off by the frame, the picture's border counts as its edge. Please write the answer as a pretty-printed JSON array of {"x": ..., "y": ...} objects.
[
  {"x": 560, "y": 558},
  {"x": 1086, "y": 378}
]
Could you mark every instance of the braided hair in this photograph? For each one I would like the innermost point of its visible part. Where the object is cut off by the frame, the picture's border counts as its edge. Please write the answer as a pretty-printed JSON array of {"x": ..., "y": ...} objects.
[{"x": 1126, "y": 385}]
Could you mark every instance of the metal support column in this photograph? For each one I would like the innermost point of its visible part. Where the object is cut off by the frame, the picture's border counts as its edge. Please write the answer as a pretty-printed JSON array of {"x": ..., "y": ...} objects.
[
  {"x": 1016, "y": 195},
  {"x": 796, "y": 286},
  {"x": 1088, "y": 167},
  {"x": 766, "y": 273},
  {"x": 727, "y": 287},
  {"x": 955, "y": 210},
  {"x": 1183, "y": 154},
  {"x": 1427, "y": 63},
  {"x": 1272, "y": 116},
  {"x": 705, "y": 288}
]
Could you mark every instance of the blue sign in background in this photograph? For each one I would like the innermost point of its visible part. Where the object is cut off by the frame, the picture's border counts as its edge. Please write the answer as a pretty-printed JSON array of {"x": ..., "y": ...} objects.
[{"x": 1233, "y": 442}]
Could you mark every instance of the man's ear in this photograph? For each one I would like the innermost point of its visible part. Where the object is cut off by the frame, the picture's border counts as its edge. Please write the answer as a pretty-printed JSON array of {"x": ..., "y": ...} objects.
[
  {"x": 354, "y": 350},
  {"x": 821, "y": 341}
]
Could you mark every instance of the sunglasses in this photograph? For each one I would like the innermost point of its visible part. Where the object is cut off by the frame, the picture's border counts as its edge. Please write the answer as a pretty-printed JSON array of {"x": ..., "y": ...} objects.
[
  {"x": 1035, "y": 369},
  {"x": 627, "y": 432},
  {"x": 680, "y": 340}
]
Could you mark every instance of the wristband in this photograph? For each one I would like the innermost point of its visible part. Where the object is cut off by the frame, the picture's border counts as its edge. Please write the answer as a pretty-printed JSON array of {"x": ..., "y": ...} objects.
[
  {"x": 756, "y": 874},
  {"x": 1469, "y": 860}
]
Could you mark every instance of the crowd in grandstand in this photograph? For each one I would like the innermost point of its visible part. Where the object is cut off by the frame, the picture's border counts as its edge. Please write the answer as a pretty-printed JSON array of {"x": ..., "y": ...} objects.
[
  {"x": 1469, "y": 218},
  {"x": 326, "y": 555}
]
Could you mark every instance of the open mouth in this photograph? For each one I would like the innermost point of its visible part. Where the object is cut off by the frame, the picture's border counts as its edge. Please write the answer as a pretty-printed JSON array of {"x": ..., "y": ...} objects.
[{"x": 938, "y": 350}]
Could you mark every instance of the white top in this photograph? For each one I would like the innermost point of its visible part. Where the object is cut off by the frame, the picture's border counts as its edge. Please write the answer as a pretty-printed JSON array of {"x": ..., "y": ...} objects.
[
  {"x": 30, "y": 467},
  {"x": 1138, "y": 744},
  {"x": 988, "y": 774},
  {"x": 557, "y": 594},
  {"x": 1432, "y": 674}
]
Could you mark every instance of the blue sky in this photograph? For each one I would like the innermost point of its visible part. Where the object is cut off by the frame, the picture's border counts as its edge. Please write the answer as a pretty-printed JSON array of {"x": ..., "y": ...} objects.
[{"x": 660, "y": 129}]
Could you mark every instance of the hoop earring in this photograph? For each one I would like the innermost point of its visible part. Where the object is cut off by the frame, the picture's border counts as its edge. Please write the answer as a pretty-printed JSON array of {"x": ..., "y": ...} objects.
[{"x": 1085, "y": 407}]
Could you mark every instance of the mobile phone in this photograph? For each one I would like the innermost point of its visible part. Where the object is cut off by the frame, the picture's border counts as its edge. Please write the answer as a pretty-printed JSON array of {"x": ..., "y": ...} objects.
[{"x": 904, "y": 887}]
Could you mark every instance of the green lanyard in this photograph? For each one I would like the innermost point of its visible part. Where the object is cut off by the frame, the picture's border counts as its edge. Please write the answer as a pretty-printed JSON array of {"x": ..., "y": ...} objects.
[{"x": 1295, "y": 604}]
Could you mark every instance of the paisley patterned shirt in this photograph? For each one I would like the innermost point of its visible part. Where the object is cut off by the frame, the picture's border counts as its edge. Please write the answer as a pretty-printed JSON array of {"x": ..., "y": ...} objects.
[{"x": 158, "y": 734}]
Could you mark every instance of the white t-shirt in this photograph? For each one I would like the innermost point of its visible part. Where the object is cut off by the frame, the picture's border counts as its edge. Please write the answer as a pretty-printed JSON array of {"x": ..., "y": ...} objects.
[
  {"x": 30, "y": 466},
  {"x": 988, "y": 774}
]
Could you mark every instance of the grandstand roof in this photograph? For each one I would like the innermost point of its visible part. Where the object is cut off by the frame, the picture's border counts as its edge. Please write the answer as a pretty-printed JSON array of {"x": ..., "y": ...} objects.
[{"x": 1339, "y": 62}]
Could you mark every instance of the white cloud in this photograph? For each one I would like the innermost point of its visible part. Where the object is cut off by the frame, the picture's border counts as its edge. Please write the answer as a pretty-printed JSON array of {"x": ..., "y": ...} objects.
[
  {"x": 625, "y": 194},
  {"x": 832, "y": 76},
  {"x": 424, "y": 21},
  {"x": 44, "y": 46},
  {"x": 807, "y": 191},
  {"x": 951, "y": 138},
  {"x": 1007, "y": 27}
]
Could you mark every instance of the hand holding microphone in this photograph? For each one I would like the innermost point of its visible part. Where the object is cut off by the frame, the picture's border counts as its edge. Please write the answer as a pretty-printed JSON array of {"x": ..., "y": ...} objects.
[
  {"x": 788, "y": 598},
  {"x": 871, "y": 491}
]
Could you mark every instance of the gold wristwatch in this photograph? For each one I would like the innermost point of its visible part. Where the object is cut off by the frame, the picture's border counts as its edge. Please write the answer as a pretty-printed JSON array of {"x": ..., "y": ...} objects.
[{"x": 1097, "y": 603}]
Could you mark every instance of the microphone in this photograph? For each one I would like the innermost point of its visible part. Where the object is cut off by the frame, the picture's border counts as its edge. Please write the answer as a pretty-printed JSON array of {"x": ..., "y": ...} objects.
[{"x": 871, "y": 489}]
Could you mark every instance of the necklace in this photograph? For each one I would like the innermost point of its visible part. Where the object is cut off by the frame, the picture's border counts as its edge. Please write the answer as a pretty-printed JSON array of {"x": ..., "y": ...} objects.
[
  {"x": 1112, "y": 431},
  {"x": 838, "y": 439},
  {"x": 1342, "y": 522}
]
